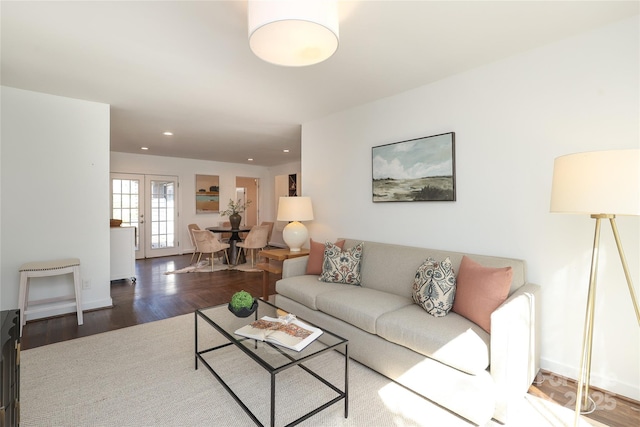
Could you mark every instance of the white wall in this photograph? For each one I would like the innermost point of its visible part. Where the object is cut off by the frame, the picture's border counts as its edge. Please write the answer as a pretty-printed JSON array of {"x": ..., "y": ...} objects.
[
  {"x": 512, "y": 119},
  {"x": 55, "y": 182},
  {"x": 186, "y": 171},
  {"x": 54, "y": 175},
  {"x": 282, "y": 171}
]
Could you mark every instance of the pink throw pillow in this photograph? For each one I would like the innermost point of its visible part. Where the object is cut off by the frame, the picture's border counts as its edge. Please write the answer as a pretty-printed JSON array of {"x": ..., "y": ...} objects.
[
  {"x": 316, "y": 256},
  {"x": 480, "y": 290}
]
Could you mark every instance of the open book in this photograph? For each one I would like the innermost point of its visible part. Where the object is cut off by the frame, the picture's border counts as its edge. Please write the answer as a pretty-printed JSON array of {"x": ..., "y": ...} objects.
[{"x": 285, "y": 331}]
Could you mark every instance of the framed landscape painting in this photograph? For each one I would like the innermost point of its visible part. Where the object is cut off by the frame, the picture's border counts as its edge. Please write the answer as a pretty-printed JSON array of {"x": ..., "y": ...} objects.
[
  {"x": 207, "y": 194},
  {"x": 417, "y": 170}
]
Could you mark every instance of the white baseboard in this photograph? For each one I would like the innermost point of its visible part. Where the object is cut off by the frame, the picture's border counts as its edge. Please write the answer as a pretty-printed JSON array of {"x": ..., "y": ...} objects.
[
  {"x": 44, "y": 311},
  {"x": 612, "y": 386}
]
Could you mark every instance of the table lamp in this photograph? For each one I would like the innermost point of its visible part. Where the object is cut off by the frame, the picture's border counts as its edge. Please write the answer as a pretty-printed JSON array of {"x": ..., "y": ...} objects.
[
  {"x": 602, "y": 184},
  {"x": 295, "y": 209}
]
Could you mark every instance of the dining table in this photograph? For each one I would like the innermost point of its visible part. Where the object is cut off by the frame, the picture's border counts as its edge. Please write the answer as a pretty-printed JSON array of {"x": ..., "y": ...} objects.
[{"x": 232, "y": 251}]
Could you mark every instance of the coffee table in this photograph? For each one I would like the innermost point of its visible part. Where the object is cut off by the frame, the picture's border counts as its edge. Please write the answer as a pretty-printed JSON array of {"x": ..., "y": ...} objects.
[{"x": 273, "y": 358}]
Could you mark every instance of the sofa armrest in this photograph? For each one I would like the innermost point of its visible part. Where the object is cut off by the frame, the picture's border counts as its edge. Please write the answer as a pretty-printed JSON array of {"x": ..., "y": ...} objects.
[
  {"x": 515, "y": 347},
  {"x": 294, "y": 266}
]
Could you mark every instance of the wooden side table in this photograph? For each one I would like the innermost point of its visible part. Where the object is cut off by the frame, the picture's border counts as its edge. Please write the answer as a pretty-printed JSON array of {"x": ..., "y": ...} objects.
[{"x": 273, "y": 264}]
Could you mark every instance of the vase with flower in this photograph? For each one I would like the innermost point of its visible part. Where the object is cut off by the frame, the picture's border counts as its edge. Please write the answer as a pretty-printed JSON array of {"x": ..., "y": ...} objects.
[{"x": 233, "y": 211}]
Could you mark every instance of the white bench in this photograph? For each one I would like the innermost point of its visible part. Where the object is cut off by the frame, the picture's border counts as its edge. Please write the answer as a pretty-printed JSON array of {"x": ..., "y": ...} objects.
[{"x": 50, "y": 268}]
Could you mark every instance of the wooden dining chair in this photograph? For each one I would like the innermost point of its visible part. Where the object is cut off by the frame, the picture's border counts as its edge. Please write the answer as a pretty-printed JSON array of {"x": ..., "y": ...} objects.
[{"x": 224, "y": 237}]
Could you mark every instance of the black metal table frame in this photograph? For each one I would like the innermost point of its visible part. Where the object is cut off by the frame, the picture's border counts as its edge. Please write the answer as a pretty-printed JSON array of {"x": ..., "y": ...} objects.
[{"x": 274, "y": 371}]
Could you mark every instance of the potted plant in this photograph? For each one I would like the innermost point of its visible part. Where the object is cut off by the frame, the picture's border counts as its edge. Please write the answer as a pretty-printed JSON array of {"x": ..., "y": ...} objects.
[
  {"x": 233, "y": 211},
  {"x": 242, "y": 304}
]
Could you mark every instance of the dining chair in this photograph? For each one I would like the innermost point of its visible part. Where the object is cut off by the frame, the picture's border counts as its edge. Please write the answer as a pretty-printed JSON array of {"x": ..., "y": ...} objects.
[
  {"x": 192, "y": 227},
  {"x": 224, "y": 237},
  {"x": 257, "y": 239},
  {"x": 270, "y": 224},
  {"x": 208, "y": 243}
]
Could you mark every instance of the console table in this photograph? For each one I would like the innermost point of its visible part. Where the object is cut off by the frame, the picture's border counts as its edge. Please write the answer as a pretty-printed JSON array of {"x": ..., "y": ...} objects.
[{"x": 273, "y": 264}]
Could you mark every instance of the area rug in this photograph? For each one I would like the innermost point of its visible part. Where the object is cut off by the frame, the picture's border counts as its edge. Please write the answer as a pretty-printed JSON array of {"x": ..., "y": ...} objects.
[
  {"x": 204, "y": 267},
  {"x": 144, "y": 376},
  {"x": 247, "y": 268}
]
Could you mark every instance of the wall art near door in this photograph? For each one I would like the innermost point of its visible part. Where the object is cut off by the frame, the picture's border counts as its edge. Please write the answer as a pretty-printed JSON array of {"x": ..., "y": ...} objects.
[
  {"x": 417, "y": 170},
  {"x": 293, "y": 185},
  {"x": 207, "y": 194}
]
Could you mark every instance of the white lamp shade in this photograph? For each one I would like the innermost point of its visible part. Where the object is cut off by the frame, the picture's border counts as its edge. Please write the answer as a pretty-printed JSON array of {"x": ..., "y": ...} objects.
[
  {"x": 295, "y": 209},
  {"x": 598, "y": 182},
  {"x": 293, "y": 32}
]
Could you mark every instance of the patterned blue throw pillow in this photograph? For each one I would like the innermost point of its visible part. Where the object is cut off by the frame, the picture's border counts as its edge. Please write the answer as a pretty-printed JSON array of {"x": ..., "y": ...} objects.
[
  {"x": 434, "y": 287},
  {"x": 341, "y": 266}
]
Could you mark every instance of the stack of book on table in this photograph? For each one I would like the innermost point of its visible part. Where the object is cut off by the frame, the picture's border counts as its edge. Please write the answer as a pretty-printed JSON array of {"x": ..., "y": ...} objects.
[{"x": 285, "y": 331}]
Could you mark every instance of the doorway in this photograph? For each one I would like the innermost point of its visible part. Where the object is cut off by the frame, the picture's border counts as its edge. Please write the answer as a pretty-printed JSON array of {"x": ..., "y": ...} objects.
[
  {"x": 148, "y": 203},
  {"x": 247, "y": 190}
]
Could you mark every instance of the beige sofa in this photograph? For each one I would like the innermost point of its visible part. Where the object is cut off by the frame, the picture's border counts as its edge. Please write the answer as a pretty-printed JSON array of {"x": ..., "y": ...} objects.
[{"x": 449, "y": 360}]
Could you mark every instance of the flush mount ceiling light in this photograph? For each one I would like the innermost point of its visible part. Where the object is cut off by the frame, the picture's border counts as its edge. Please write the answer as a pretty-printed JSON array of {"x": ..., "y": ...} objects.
[{"x": 293, "y": 33}]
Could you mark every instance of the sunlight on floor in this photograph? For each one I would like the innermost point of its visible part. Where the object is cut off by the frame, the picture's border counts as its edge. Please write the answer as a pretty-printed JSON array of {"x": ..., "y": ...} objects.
[
  {"x": 410, "y": 409},
  {"x": 170, "y": 280},
  {"x": 161, "y": 268},
  {"x": 554, "y": 414}
]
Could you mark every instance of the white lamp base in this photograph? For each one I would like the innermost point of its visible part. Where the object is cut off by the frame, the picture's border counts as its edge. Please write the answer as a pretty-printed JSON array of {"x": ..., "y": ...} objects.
[{"x": 295, "y": 235}]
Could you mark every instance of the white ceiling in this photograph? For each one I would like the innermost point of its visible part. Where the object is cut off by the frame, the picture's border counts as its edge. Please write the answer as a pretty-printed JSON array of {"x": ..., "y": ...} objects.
[{"x": 186, "y": 66}]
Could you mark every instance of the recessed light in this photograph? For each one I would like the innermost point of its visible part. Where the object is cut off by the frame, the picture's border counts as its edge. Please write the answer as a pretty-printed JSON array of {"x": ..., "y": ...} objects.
[
  {"x": 144, "y": 148},
  {"x": 285, "y": 150},
  {"x": 167, "y": 133},
  {"x": 251, "y": 160}
]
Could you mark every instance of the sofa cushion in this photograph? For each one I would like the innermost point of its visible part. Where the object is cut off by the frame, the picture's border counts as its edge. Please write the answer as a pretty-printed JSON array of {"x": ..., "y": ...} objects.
[
  {"x": 452, "y": 340},
  {"x": 359, "y": 306},
  {"x": 377, "y": 257},
  {"x": 305, "y": 289},
  {"x": 341, "y": 266},
  {"x": 480, "y": 290},
  {"x": 434, "y": 287},
  {"x": 316, "y": 256}
]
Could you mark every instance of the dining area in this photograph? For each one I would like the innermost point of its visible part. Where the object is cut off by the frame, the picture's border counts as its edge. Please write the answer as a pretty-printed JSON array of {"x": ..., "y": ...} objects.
[{"x": 232, "y": 246}]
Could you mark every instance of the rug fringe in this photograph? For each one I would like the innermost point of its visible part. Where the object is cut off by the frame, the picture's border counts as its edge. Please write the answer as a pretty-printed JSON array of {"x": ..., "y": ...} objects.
[{"x": 204, "y": 267}]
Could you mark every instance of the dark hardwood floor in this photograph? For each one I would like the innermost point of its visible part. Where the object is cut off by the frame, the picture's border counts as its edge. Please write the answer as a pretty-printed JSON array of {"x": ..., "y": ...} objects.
[
  {"x": 611, "y": 409},
  {"x": 157, "y": 296}
]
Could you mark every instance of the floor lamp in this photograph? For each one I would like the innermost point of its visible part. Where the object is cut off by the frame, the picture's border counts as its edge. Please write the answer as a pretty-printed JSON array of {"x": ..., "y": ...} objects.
[{"x": 602, "y": 184}]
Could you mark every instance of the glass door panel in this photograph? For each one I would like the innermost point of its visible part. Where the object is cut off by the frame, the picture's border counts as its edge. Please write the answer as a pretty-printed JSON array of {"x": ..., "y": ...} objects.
[
  {"x": 162, "y": 216},
  {"x": 127, "y": 204}
]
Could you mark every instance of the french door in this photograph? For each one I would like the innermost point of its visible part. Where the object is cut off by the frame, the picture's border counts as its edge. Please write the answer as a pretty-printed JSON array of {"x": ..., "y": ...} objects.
[
  {"x": 162, "y": 215},
  {"x": 149, "y": 203}
]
